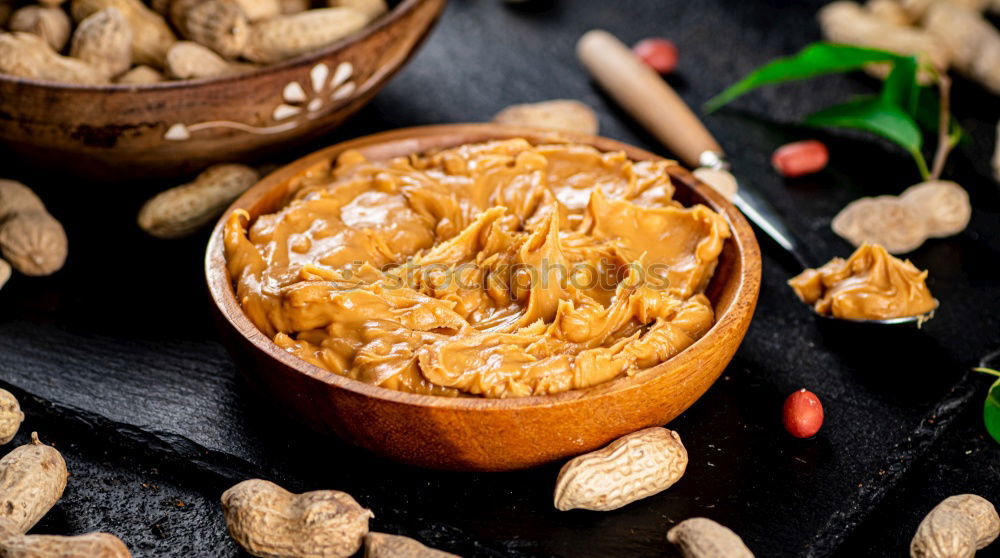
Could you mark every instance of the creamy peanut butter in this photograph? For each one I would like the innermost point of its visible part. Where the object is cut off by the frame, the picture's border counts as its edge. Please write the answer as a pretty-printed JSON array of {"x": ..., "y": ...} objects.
[
  {"x": 870, "y": 285},
  {"x": 499, "y": 269}
]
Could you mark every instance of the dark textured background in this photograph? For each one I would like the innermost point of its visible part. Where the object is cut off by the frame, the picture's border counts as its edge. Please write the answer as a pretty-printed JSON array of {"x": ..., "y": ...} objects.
[{"x": 116, "y": 362}]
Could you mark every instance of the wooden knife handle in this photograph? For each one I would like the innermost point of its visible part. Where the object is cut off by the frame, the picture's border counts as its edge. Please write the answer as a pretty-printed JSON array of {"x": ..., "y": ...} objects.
[{"x": 645, "y": 96}]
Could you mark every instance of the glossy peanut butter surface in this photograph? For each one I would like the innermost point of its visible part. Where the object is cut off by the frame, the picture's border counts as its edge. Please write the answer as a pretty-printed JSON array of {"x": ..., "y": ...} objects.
[
  {"x": 500, "y": 269},
  {"x": 870, "y": 285}
]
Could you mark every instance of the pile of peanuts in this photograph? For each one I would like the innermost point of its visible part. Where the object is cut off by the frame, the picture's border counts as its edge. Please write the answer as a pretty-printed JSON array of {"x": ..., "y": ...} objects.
[{"x": 131, "y": 42}]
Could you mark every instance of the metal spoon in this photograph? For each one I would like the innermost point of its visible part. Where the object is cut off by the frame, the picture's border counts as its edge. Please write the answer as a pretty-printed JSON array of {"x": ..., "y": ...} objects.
[{"x": 648, "y": 98}]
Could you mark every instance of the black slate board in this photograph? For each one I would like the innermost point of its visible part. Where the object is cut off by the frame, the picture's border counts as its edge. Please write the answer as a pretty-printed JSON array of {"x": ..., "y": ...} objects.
[{"x": 126, "y": 376}]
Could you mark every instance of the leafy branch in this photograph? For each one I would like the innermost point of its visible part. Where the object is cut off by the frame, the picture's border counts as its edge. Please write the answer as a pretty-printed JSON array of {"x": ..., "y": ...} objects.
[{"x": 901, "y": 113}]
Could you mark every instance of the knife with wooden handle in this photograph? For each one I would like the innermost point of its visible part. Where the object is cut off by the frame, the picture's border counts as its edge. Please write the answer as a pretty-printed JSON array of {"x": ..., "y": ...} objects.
[{"x": 651, "y": 101}]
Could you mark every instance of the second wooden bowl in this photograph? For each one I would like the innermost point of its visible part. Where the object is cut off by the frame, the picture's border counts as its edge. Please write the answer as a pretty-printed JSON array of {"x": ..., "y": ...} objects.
[
  {"x": 473, "y": 433},
  {"x": 119, "y": 132}
]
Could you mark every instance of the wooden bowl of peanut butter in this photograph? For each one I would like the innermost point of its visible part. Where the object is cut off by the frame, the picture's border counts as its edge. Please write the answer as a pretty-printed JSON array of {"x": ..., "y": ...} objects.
[{"x": 482, "y": 297}]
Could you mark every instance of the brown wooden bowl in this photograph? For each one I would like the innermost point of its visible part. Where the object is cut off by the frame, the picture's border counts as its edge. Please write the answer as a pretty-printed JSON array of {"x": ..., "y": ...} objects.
[
  {"x": 120, "y": 132},
  {"x": 474, "y": 433}
]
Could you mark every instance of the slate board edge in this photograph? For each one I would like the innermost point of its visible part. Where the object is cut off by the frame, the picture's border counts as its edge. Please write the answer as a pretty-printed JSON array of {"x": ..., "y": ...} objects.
[{"x": 903, "y": 457}]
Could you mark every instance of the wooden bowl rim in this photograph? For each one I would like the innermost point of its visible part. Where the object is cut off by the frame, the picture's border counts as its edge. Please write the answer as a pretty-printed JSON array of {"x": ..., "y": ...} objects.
[
  {"x": 728, "y": 323},
  {"x": 404, "y": 7}
]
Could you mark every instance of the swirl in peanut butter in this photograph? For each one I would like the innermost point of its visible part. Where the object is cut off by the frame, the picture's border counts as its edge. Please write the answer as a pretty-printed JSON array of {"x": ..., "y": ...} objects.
[
  {"x": 499, "y": 269},
  {"x": 870, "y": 285}
]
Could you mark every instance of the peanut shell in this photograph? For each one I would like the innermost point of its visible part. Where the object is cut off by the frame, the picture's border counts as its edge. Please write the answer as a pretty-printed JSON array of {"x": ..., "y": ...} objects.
[
  {"x": 294, "y": 6},
  {"x": 268, "y": 521},
  {"x": 17, "y": 198},
  {"x": 161, "y": 7},
  {"x": 631, "y": 468},
  {"x": 371, "y": 8},
  {"x": 560, "y": 114},
  {"x": 104, "y": 40},
  {"x": 971, "y": 40},
  {"x": 32, "y": 479},
  {"x": 151, "y": 36},
  {"x": 957, "y": 527},
  {"x": 51, "y": 24},
  {"x": 943, "y": 204},
  {"x": 4, "y": 277},
  {"x": 917, "y": 9},
  {"x": 700, "y": 537},
  {"x": 846, "y": 22},
  {"x": 381, "y": 545},
  {"x": 889, "y": 11},
  {"x": 721, "y": 180},
  {"x": 256, "y": 10},
  {"x": 90, "y": 545},
  {"x": 287, "y": 36},
  {"x": 29, "y": 56},
  {"x": 176, "y": 11},
  {"x": 180, "y": 211},
  {"x": 945, "y": 534},
  {"x": 883, "y": 220},
  {"x": 218, "y": 25},
  {"x": 11, "y": 416},
  {"x": 140, "y": 75},
  {"x": 34, "y": 243},
  {"x": 190, "y": 60}
]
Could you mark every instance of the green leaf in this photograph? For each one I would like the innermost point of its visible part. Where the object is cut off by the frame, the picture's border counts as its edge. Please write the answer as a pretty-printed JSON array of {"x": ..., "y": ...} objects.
[
  {"x": 901, "y": 87},
  {"x": 991, "y": 409},
  {"x": 814, "y": 60},
  {"x": 873, "y": 114}
]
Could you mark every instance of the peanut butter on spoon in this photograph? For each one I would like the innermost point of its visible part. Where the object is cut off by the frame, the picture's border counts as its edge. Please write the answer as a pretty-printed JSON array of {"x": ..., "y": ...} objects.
[{"x": 870, "y": 285}]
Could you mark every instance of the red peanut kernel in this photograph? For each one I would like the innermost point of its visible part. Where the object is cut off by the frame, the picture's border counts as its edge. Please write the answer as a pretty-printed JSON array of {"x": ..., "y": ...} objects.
[
  {"x": 800, "y": 158},
  {"x": 802, "y": 414},
  {"x": 658, "y": 54}
]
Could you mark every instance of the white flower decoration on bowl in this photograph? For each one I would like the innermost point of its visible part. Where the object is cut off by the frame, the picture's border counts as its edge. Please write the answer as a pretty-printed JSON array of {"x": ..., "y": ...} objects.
[{"x": 296, "y": 105}]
